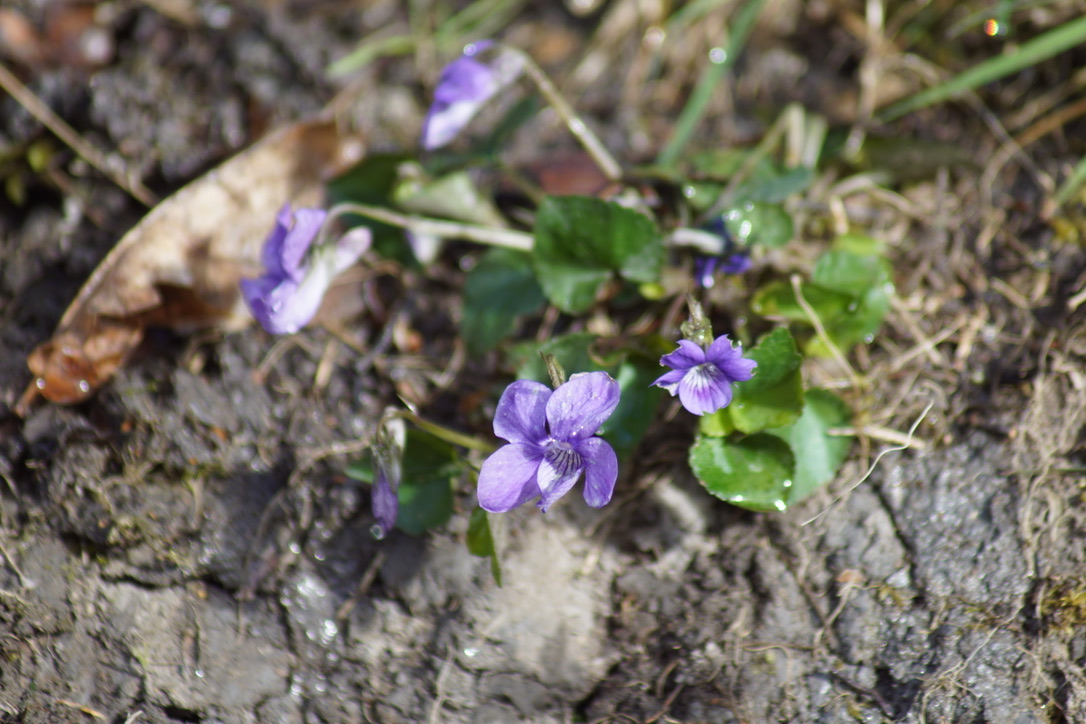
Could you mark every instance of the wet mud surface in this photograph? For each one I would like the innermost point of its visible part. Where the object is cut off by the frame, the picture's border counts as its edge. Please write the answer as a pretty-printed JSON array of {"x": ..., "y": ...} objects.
[{"x": 183, "y": 548}]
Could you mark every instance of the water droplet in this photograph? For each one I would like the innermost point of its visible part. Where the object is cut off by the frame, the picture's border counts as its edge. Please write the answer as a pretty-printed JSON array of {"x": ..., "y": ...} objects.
[
  {"x": 84, "y": 386},
  {"x": 654, "y": 36},
  {"x": 737, "y": 499},
  {"x": 295, "y": 547},
  {"x": 852, "y": 306},
  {"x": 198, "y": 673},
  {"x": 329, "y": 631},
  {"x": 471, "y": 652},
  {"x": 471, "y": 49},
  {"x": 718, "y": 55},
  {"x": 40, "y": 383},
  {"x": 689, "y": 191},
  {"x": 779, "y": 505},
  {"x": 377, "y": 531},
  {"x": 787, "y": 483},
  {"x": 744, "y": 229}
]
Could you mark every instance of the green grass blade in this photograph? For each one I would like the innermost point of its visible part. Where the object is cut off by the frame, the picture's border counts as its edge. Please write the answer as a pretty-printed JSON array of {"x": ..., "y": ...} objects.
[
  {"x": 1028, "y": 54},
  {"x": 1073, "y": 183},
  {"x": 699, "y": 100},
  {"x": 369, "y": 50}
]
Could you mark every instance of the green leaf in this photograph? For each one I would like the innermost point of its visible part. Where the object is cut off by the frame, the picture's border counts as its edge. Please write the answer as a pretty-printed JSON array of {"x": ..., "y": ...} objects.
[
  {"x": 452, "y": 196},
  {"x": 774, "y": 396},
  {"x": 754, "y": 473},
  {"x": 859, "y": 244},
  {"x": 499, "y": 289},
  {"x": 778, "y": 299},
  {"x": 581, "y": 241},
  {"x": 757, "y": 222},
  {"x": 850, "y": 293},
  {"x": 361, "y": 470},
  {"x": 776, "y": 187},
  {"x": 818, "y": 454},
  {"x": 853, "y": 274},
  {"x": 637, "y": 405},
  {"x": 481, "y": 542},
  {"x": 425, "y": 493},
  {"x": 371, "y": 182},
  {"x": 867, "y": 279}
]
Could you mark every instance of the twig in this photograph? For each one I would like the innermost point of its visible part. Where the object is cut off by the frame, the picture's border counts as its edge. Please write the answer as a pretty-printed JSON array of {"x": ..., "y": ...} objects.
[
  {"x": 871, "y": 468},
  {"x": 580, "y": 130},
  {"x": 67, "y": 134}
]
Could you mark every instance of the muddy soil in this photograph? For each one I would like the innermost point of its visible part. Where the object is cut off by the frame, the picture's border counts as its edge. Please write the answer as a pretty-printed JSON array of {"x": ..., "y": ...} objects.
[{"x": 182, "y": 547}]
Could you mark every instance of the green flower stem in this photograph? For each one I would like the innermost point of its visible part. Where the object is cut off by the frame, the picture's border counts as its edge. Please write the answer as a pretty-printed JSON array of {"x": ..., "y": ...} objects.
[
  {"x": 702, "y": 241},
  {"x": 580, "y": 130},
  {"x": 450, "y": 436},
  {"x": 509, "y": 238}
]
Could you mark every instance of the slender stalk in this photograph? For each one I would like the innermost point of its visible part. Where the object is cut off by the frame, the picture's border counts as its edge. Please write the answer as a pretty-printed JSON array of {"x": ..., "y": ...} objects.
[
  {"x": 580, "y": 130},
  {"x": 703, "y": 241},
  {"x": 439, "y": 431},
  {"x": 508, "y": 238}
]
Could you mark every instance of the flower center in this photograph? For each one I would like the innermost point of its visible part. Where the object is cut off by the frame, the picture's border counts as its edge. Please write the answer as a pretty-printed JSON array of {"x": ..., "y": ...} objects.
[
  {"x": 705, "y": 375},
  {"x": 562, "y": 457}
]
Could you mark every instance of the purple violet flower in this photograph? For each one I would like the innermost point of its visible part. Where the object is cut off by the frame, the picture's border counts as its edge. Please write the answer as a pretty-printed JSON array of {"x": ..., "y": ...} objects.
[
  {"x": 552, "y": 441},
  {"x": 732, "y": 260},
  {"x": 703, "y": 378},
  {"x": 705, "y": 267},
  {"x": 387, "y": 451},
  {"x": 295, "y": 278},
  {"x": 465, "y": 86}
]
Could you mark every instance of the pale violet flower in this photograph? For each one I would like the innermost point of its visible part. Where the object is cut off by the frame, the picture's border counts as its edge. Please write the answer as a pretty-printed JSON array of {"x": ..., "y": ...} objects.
[
  {"x": 387, "y": 451},
  {"x": 465, "y": 86},
  {"x": 703, "y": 378},
  {"x": 295, "y": 278},
  {"x": 552, "y": 441}
]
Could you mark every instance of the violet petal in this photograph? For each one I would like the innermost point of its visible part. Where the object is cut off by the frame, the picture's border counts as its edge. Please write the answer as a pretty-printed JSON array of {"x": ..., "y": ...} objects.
[
  {"x": 704, "y": 390},
  {"x": 521, "y": 412},
  {"x": 508, "y": 477},
  {"x": 688, "y": 355},
  {"x": 577, "y": 409},
  {"x": 601, "y": 471}
]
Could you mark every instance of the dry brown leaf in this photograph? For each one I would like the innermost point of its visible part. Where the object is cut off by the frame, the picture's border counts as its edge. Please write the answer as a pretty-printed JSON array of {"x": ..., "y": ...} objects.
[{"x": 180, "y": 266}]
